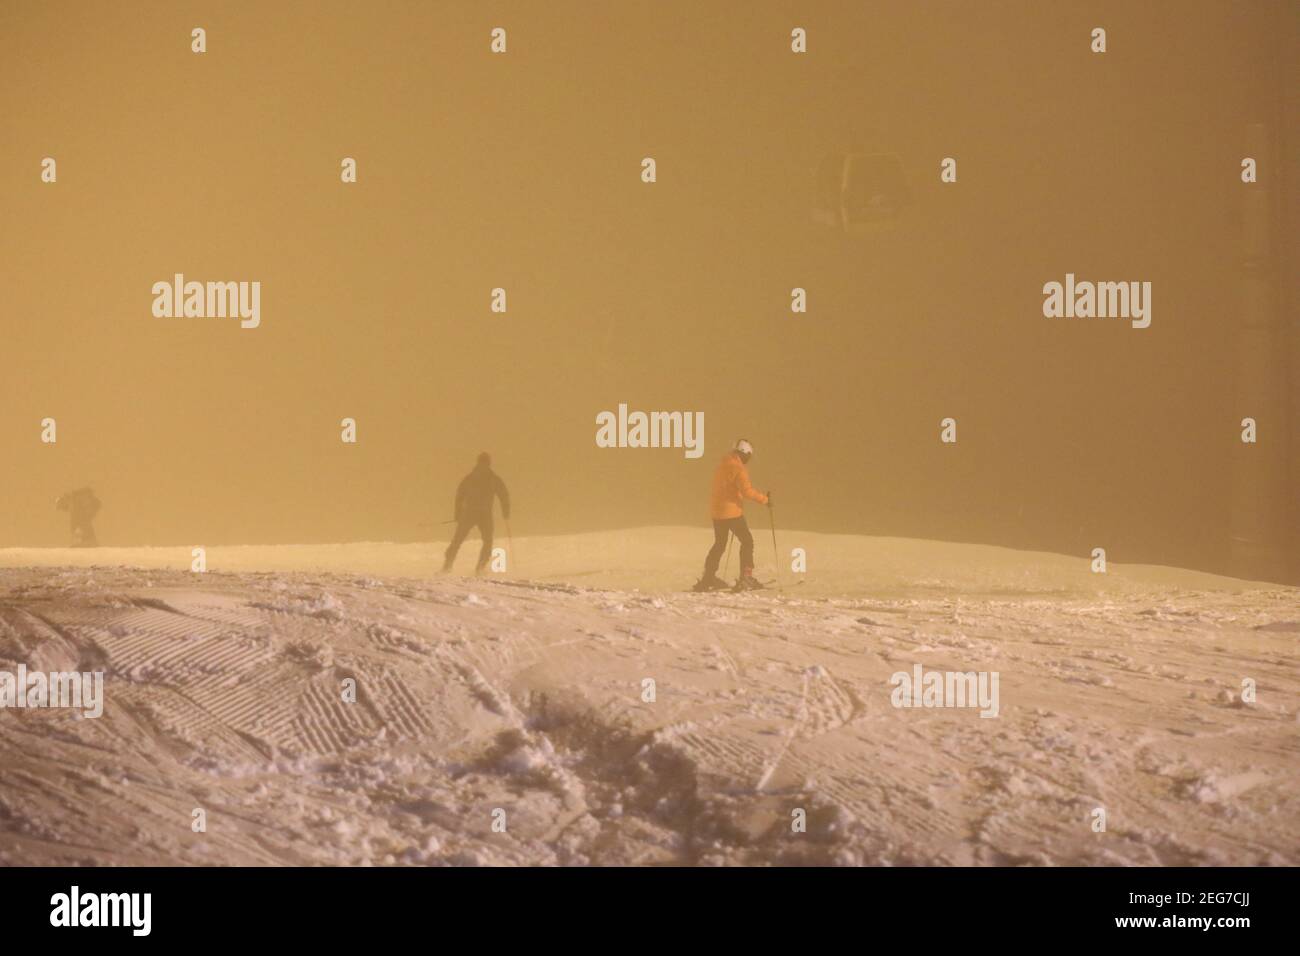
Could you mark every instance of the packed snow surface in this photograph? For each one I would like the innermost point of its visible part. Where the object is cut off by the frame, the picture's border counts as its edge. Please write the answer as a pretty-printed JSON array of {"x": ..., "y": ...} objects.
[{"x": 583, "y": 708}]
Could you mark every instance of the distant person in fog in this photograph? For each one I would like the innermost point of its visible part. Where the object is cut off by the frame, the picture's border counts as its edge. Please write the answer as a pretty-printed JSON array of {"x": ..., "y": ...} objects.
[
  {"x": 82, "y": 506},
  {"x": 474, "y": 497}
]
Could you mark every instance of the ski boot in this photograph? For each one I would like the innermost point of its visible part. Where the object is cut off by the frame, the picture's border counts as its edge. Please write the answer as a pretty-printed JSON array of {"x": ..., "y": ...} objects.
[{"x": 710, "y": 583}]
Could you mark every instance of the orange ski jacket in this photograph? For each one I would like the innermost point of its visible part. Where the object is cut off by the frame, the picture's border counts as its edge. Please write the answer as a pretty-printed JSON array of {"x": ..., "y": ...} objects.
[{"x": 730, "y": 489}]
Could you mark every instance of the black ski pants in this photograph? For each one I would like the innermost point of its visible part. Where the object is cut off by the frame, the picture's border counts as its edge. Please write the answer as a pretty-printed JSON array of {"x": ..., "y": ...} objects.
[
  {"x": 463, "y": 527},
  {"x": 721, "y": 528}
]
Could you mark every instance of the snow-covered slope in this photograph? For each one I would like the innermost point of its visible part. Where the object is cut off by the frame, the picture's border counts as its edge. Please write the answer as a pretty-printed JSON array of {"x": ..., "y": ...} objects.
[{"x": 493, "y": 701}]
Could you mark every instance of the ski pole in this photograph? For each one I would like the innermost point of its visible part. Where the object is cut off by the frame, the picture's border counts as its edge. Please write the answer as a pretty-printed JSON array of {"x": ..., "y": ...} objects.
[
  {"x": 510, "y": 540},
  {"x": 776, "y": 561}
]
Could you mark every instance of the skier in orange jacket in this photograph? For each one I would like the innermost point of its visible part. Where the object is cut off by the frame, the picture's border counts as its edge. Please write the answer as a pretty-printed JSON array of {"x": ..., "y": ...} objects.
[{"x": 727, "y": 509}]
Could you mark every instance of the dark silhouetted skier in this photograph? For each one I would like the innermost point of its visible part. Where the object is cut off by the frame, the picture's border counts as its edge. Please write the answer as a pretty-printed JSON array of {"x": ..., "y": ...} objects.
[{"x": 474, "y": 497}]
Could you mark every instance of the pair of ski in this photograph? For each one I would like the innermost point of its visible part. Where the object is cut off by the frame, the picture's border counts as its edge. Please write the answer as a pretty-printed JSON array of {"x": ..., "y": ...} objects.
[{"x": 702, "y": 588}]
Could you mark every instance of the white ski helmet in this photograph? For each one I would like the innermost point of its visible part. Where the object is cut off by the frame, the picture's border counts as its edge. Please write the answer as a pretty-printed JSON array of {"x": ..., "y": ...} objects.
[{"x": 744, "y": 447}]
